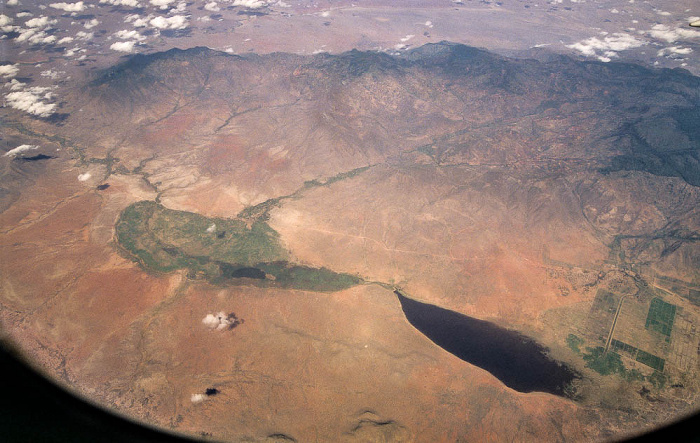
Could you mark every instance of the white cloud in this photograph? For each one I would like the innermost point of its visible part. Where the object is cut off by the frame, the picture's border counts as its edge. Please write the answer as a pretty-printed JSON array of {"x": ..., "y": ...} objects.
[
  {"x": 211, "y": 228},
  {"x": 130, "y": 3},
  {"x": 674, "y": 50},
  {"x": 162, "y": 4},
  {"x": 15, "y": 85},
  {"x": 407, "y": 38},
  {"x": 12, "y": 2},
  {"x": 197, "y": 398},
  {"x": 5, "y": 25},
  {"x": 429, "y": 24},
  {"x": 40, "y": 22},
  {"x": 20, "y": 150},
  {"x": 8, "y": 71},
  {"x": 24, "y": 14},
  {"x": 137, "y": 21},
  {"x": 211, "y": 321},
  {"x": 24, "y": 34},
  {"x": 212, "y": 6},
  {"x": 252, "y": 4},
  {"x": 142, "y": 22},
  {"x": 220, "y": 321},
  {"x": 50, "y": 73},
  {"x": 91, "y": 23},
  {"x": 123, "y": 46},
  {"x": 82, "y": 35},
  {"x": 663, "y": 32},
  {"x": 615, "y": 42},
  {"x": 73, "y": 51},
  {"x": 34, "y": 100},
  {"x": 174, "y": 22},
  {"x": 125, "y": 34},
  {"x": 35, "y": 37},
  {"x": 69, "y": 7},
  {"x": 65, "y": 40},
  {"x": 5, "y": 20},
  {"x": 84, "y": 177},
  {"x": 664, "y": 13}
]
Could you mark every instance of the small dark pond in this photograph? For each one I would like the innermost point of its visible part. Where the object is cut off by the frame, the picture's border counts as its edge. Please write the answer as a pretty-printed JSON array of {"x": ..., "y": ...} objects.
[
  {"x": 35, "y": 158},
  {"x": 231, "y": 271},
  {"x": 171, "y": 251},
  {"x": 516, "y": 360}
]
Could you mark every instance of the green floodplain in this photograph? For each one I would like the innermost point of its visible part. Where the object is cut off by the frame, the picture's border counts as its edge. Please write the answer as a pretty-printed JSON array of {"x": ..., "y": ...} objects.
[
  {"x": 222, "y": 251},
  {"x": 658, "y": 324}
]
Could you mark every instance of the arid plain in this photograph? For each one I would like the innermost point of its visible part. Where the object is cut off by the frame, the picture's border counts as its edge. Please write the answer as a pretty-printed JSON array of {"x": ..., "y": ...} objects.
[{"x": 555, "y": 198}]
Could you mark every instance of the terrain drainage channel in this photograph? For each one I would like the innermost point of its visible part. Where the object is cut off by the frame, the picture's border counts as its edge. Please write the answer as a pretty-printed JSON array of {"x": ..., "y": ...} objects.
[{"x": 516, "y": 360}]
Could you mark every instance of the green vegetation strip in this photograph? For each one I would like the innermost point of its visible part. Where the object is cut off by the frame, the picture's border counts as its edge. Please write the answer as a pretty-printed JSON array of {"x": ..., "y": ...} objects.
[
  {"x": 219, "y": 250},
  {"x": 618, "y": 345},
  {"x": 574, "y": 342},
  {"x": 261, "y": 211},
  {"x": 651, "y": 360},
  {"x": 605, "y": 301},
  {"x": 610, "y": 363},
  {"x": 643, "y": 357},
  {"x": 660, "y": 317}
]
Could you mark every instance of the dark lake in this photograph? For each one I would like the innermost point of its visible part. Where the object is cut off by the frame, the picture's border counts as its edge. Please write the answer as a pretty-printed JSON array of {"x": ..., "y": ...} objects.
[
  {"x": 36, "y": 158},
  {"x": 231, "y": 271},
  {"x": 516, "y": 360}
]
